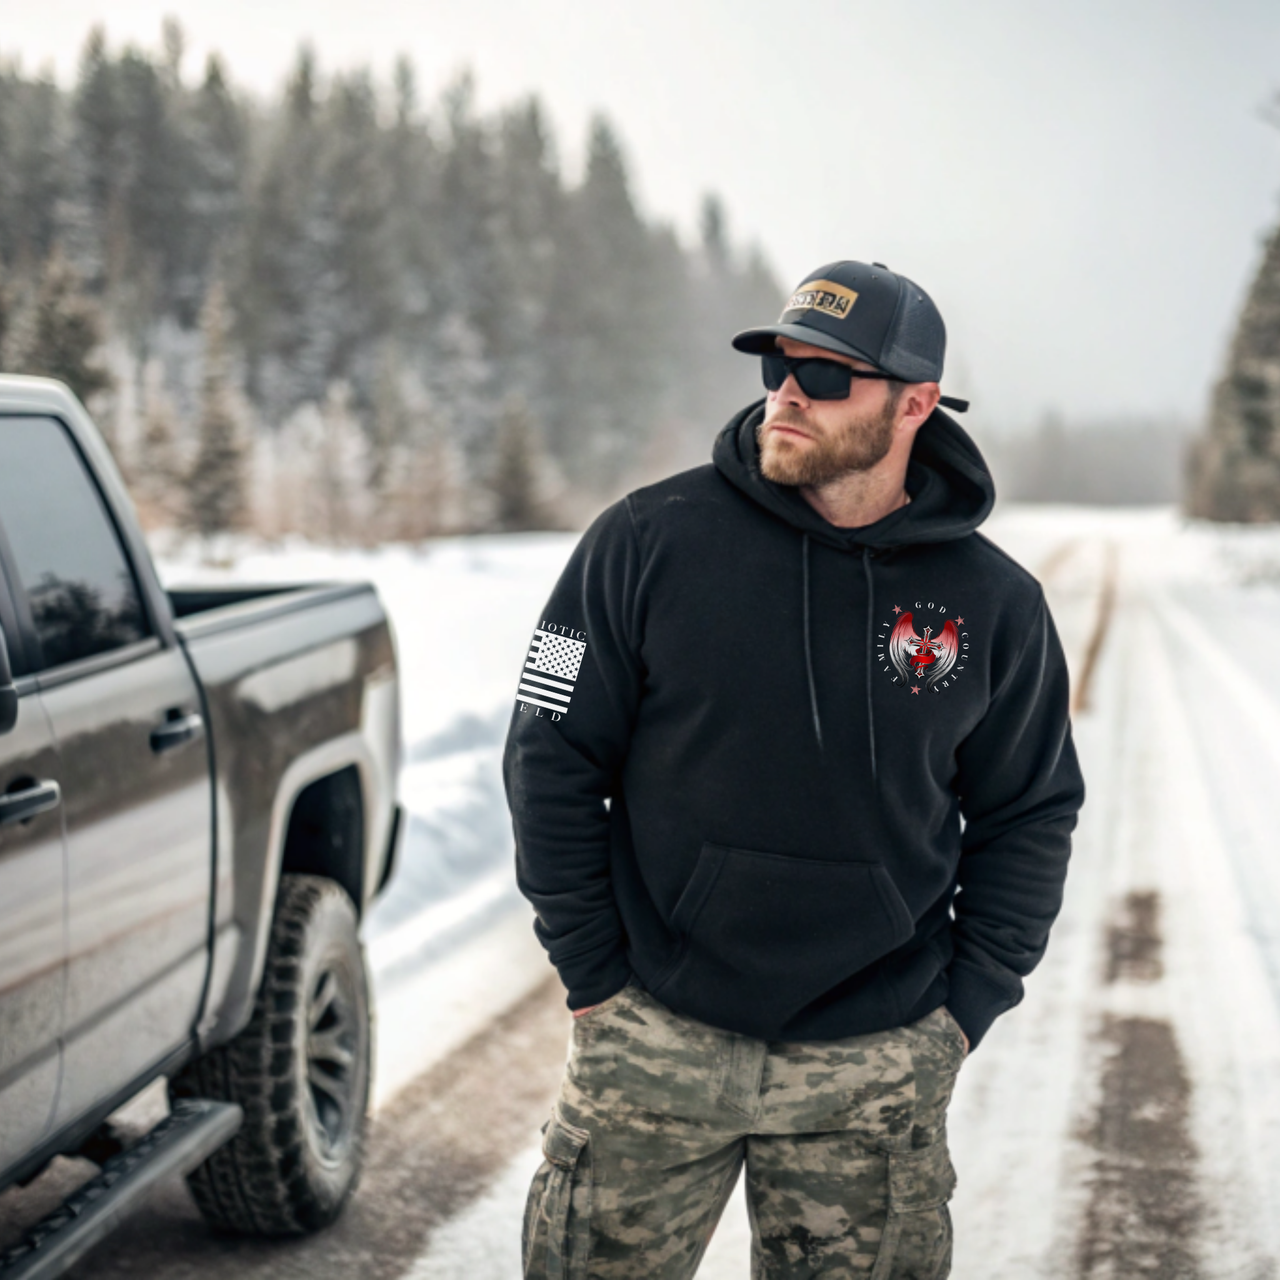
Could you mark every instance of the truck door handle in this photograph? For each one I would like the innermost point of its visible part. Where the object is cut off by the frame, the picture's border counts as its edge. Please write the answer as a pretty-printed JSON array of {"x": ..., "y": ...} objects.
[
  {"x": 173, "y": 733},
  {"x": 18, "y": 806}
]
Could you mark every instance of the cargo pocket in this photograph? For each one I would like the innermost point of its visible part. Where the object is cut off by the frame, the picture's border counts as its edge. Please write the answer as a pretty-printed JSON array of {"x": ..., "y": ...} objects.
[
  {"x": 917, "y": 1235},
  {"x": 556, "y": 1239}
]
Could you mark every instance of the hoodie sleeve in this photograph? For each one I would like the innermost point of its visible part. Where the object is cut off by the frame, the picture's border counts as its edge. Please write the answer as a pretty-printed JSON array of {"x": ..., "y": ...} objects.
[
  {"x": 1020, "y": 789},
  {"x": 565, "y": 752}
]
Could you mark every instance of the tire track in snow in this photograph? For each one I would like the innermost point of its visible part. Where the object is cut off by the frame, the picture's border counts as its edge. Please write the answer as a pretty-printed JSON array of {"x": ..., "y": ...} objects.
[
  {"x": 1178, "y": 1098},
  {"x": 1015, "y": 1122},
  {"x": 1098, "y": 635},
  {"x": 1232, "y": 1015},
  {"x": 1053, "y": 563},
  {"x": 1144, "y": 1207}
]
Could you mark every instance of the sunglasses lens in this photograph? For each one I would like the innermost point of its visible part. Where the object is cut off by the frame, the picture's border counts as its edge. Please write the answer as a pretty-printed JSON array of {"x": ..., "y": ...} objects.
[
  {"x": 818, "y": 379},
  {"x": 823, "y": 379}
]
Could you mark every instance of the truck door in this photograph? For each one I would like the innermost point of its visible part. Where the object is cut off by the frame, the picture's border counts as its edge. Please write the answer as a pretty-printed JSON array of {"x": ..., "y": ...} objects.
[
  {"x": 124, "y": 710},
  {"x": 32, "y": 923}
]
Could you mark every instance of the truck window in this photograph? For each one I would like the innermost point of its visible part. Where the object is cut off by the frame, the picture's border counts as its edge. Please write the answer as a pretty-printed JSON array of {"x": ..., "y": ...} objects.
[{"x": 68, "y": 558}]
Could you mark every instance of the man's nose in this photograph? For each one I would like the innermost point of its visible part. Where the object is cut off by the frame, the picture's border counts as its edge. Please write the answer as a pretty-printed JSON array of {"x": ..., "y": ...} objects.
[{"x": 790, "y": 391}]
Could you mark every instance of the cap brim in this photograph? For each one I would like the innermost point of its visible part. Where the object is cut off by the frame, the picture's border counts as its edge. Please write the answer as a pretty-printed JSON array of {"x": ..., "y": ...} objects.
[{"x": 760, "y": 342}]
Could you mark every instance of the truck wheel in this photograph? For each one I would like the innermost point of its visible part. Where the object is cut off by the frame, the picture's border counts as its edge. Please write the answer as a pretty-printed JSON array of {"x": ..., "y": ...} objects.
[{"x": 300, "y": 1070}]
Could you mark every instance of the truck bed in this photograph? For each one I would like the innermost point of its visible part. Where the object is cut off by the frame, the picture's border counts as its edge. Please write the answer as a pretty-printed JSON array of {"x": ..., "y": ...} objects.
[
  {"x": 292, "y": 674},
  {"x": 197, "y": 609}
]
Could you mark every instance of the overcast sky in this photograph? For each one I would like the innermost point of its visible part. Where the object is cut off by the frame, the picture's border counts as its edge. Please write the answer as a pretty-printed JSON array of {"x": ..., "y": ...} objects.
[{"x": 1082, "y": 187}]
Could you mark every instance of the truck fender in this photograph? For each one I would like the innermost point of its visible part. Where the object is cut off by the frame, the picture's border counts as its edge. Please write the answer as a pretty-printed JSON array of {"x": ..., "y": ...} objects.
[{"x": 240, "y": 942}]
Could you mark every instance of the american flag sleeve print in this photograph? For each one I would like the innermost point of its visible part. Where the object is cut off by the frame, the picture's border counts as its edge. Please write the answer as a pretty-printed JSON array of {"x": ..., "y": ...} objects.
[{"x": 551, "y": 670}]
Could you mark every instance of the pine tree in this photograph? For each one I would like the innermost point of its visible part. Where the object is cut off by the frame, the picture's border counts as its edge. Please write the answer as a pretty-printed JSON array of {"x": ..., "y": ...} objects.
[
  {"x": 410, "y": 159},
  {"x": 468, "y": 259},
  {"x": 217, "y": 138},
  {"x": 1233, "y": 470},
  {"x": 715, "y": 380},
  {"x": 173, "y": 40},
  {"x": 605, "y": 338},
  {"x": 157, "y": 471},
  {"x": 715, "y": 241},
  {"x": 340, "y": 468},
  {"x": 389, "y": 424},
  {"x": 65, "y": 332},
  {"x": 284, "y": 298},
  {"x": 354, "y": 191},
  {"x": 216, "y": 484},
  {"x": 33, "y": 169},
  {"x": 93, "y": 150},
  {"x": 424, "y": 495},
  {"x": 514, "y": 479},
  {"x": 415, "y": 469}
]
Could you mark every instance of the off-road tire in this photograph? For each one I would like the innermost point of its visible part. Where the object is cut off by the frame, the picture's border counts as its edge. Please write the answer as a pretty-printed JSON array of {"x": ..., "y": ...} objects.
[{"x": 297, "y": 1157}]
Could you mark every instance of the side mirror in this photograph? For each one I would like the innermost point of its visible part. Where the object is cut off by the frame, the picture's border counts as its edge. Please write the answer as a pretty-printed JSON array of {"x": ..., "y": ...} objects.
[{"x": 8, "y": 693}]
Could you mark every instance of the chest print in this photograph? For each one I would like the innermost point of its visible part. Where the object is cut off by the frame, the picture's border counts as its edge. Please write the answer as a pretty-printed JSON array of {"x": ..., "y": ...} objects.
[{"x": 922, "y": 649}]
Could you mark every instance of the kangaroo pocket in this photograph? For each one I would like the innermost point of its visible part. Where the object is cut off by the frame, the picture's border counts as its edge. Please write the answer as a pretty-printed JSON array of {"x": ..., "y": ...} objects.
[{"x": 763, "y": 934}]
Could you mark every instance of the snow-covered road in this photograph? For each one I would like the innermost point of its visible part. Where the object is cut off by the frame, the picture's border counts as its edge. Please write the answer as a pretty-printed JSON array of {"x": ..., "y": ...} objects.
[{"x": 1124, "y": 1120}]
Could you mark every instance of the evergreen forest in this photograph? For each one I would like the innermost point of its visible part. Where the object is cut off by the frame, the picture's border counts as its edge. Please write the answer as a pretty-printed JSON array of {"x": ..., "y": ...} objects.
[{"x": 357, "y": 312}]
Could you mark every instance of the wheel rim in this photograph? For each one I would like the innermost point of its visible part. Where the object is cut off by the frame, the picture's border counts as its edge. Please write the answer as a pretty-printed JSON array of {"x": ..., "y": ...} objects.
[{"x": 334, "y": 1034}]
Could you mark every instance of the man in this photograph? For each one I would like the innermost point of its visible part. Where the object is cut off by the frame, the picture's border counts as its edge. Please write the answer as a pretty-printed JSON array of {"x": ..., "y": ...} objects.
[{"x": 792, "y": 782}]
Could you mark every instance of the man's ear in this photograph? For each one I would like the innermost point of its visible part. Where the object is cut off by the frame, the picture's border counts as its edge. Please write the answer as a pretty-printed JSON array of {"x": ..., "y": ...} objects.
[{"x": 919, "y": 400}]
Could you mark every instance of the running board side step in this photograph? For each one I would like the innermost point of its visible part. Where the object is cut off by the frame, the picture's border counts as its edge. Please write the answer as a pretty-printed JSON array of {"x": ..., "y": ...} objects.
[{"x": 187, "y": 1136}]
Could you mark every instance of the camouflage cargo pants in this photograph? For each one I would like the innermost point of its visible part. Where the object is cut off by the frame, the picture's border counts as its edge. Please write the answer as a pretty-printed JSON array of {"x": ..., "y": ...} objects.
[{"x": 844, "y": 1144}]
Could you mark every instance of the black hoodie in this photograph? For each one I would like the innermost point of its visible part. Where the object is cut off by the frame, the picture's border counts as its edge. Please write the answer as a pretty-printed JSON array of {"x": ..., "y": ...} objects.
[{"x": 803, "y": 782}]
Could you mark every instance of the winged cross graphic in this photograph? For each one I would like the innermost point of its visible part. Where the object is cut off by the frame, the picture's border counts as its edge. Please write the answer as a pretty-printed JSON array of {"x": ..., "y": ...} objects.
[{"x": 925, "y": 656}]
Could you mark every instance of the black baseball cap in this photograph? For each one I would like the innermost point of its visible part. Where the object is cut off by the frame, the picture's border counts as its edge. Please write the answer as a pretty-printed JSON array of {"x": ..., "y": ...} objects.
[{"x": 865, "y": 311}]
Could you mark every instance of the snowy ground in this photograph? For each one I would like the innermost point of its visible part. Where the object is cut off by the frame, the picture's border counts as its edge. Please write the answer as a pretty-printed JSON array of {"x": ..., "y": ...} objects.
[{"x": 1125, "y": 1119}]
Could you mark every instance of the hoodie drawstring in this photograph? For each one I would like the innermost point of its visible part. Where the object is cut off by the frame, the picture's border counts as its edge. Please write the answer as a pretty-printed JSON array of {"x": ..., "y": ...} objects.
[
  {"x": 871, "y": 715},
  {"x": 808, "y": 650}
]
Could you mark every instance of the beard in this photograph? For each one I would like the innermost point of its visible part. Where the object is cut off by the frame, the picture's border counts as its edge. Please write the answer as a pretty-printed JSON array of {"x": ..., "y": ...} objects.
[{"x": 858, "y": 445}]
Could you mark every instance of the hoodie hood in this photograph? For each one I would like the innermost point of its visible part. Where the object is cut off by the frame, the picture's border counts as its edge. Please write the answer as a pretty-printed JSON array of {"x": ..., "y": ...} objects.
[{"x": 951, "y": 488}]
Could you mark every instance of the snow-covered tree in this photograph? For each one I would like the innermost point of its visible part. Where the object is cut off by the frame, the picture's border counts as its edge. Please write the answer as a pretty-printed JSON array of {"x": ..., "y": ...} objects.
[
  {"x": 389, "y": 422},
  {"x": 157, "y": 471},
  {"x": 217, "y": 480},
  {"x": 1234, "y": 467},
  {"x": 64, "y": 332},
  {"x": 341, "y": 464},
  {"x": 421, "y": 489},
  {"x": 515, "y": 480}
]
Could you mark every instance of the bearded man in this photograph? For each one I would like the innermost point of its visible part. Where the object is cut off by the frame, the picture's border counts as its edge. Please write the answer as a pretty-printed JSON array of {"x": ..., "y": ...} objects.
[{"x": 793, "y": 786}]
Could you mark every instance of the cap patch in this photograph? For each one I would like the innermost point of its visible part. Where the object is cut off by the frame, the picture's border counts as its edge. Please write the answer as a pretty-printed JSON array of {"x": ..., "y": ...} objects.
[{"x": 821, "y": 295}]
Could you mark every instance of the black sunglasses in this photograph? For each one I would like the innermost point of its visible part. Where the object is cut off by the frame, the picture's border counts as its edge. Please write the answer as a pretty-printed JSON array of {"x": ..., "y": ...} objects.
[
  {"x": 823, "y": 379},
  {"x": 819, "y": 379}
]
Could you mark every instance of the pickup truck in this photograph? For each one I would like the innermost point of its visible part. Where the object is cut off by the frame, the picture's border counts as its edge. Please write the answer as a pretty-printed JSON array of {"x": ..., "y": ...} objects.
[{"x": 197, "y": 807}]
